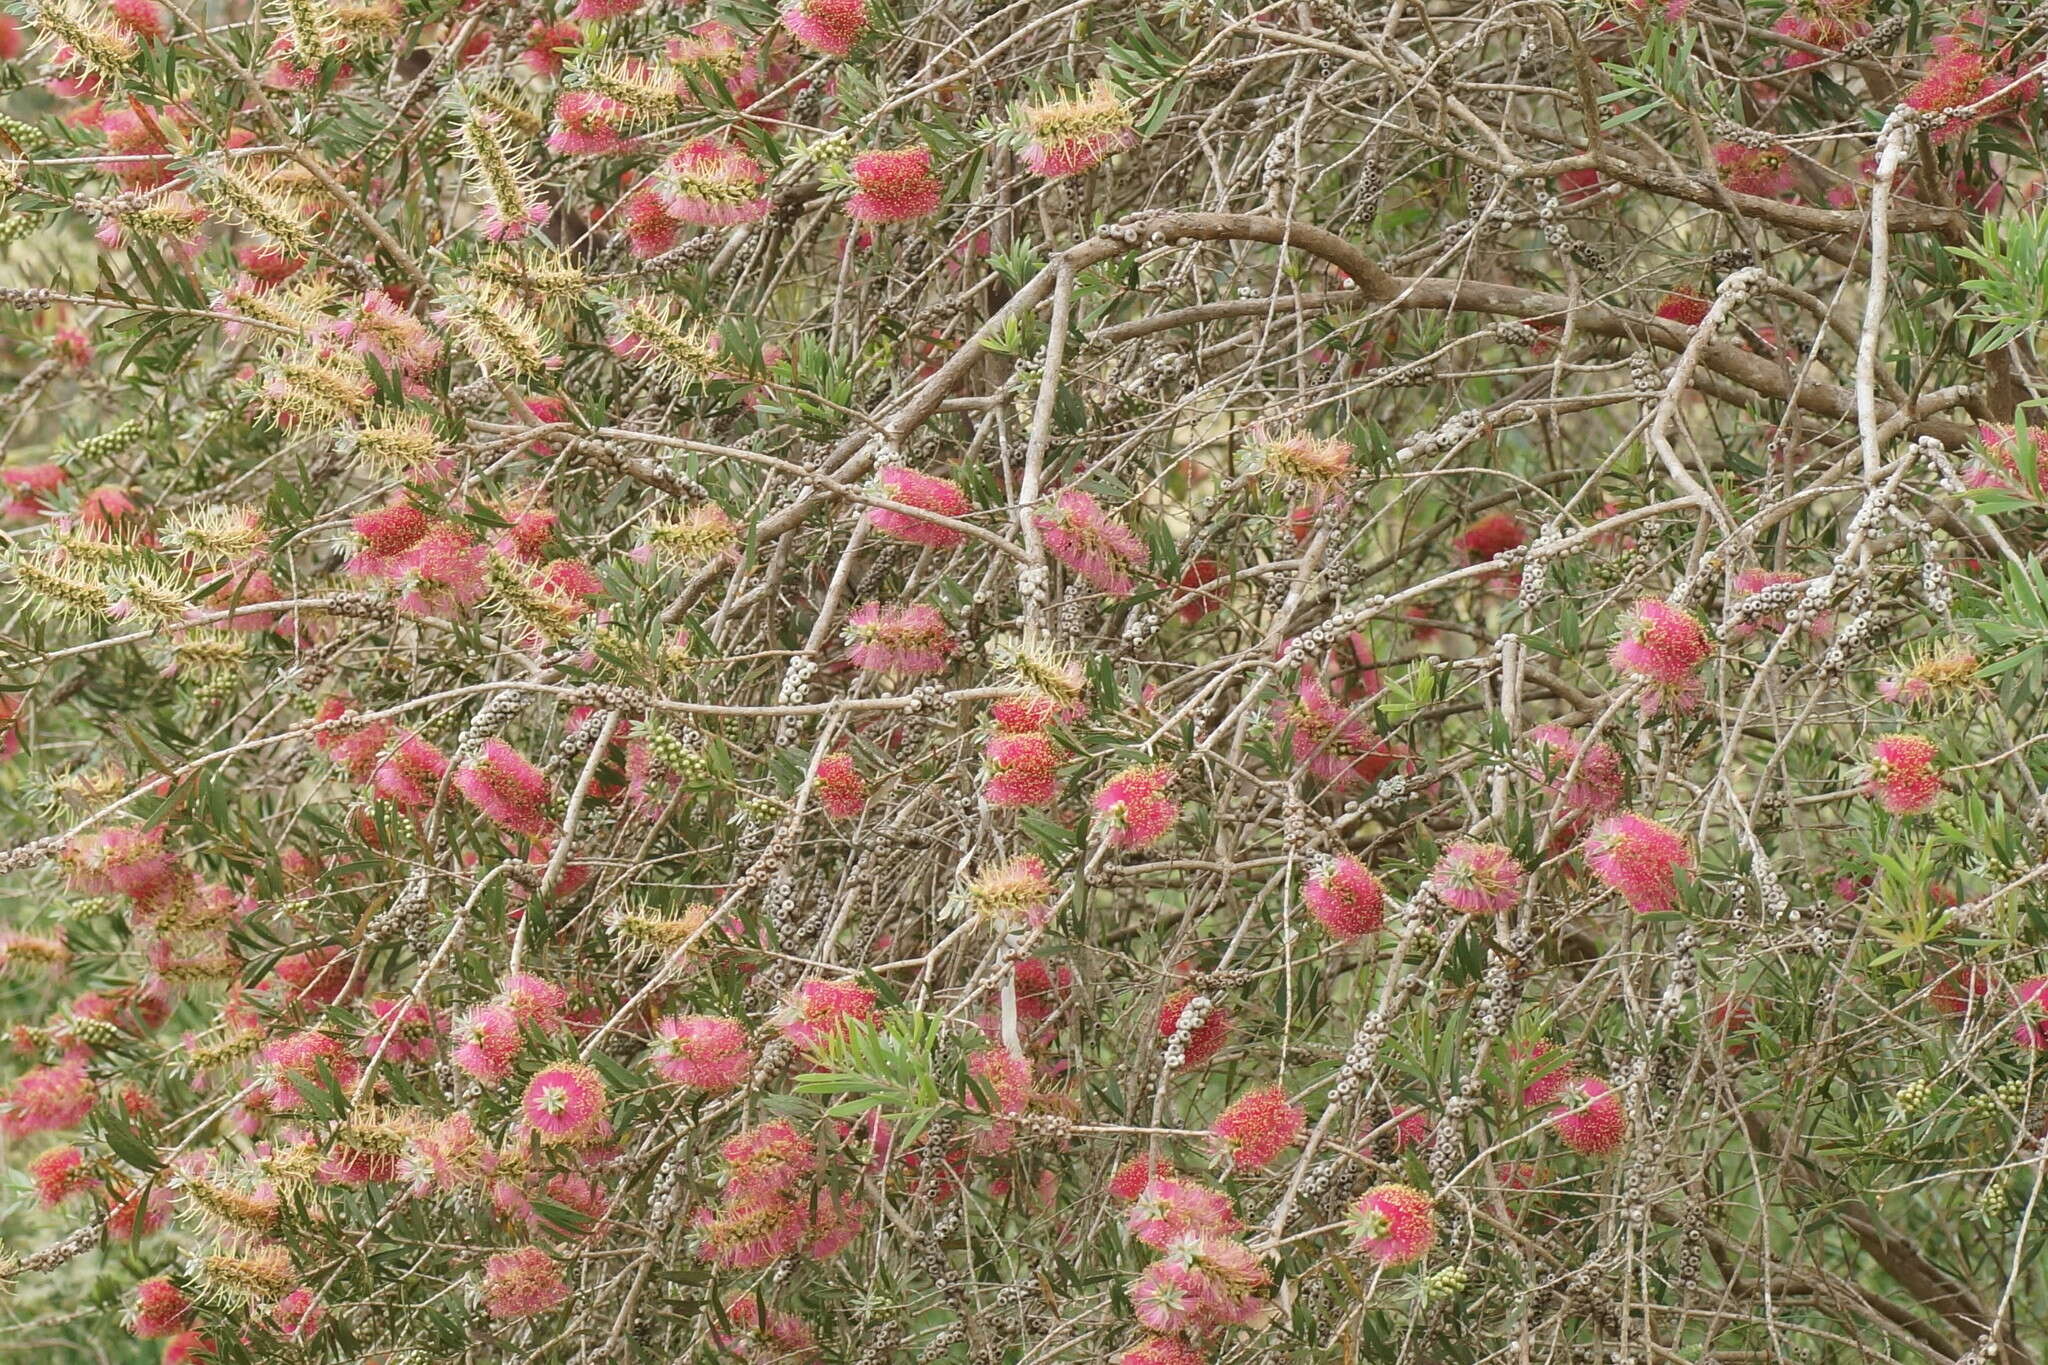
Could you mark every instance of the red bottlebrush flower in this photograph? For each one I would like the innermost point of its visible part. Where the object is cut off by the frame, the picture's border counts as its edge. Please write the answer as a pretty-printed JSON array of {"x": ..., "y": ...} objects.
[
  {"x": 1346, "y": 899},
  {"x": 1640, "y": 859},
  {"x": 143, "y": 19},
  {"x": 124, "y": 862},
  {"x": 840, "y": 789},
  {"x": 60, "y": 1173},
  {"x": 912, "y": 641},
  {"x": 1491, "y": 537},
  {"x": 894, "y": 186},
  {"x": 781, "y": 1340},
  {"x": 1133, "y": 805},
  {"x": 1904, "y": 776},
  {"x": 523, "y": 1284},
  {"x": 161, "y": 1309},
  {"x": 1962, "y": 990},
  {"x": 2031, "y": 998},
  {"x": 820, "y": 1010},
  {"x": 702, "y": 1051},
  {"x": 1576, "y": 187},
  {"x": 1335, "y": 740},
  {"x": 1195, "y": 602},
  {"x": 829, "y": 26},
  {"x": 649, "y": 227},
  {"x": 1205, "y": 1039},
  {"x": 604, "y": 9},
  {"x": 1476, "y": 878},
  {"x": 1544, "y": 1072},
  {"x": 1022, "y": 770},
  {"x": 1394, "y": 1225},
  {"x": 767, "y": 1159},
  {"x": 1013, "y": 895},
  {"x": 565, "y": 1104},
  {"x": 27, "y": 484},
  {"x": 302, "y": 1057},
  {"x": 712, "y": 184},
  {"x": 1088, "y": 541},
  {"x": 356, "y": 748},
  {"x": 406, "y": 1029},
  {"x": 1661, "y": 643},
  {"x": 545, "y": 43},
  {"x": 510, "y": 791},
  {"x": 927, "y": 492},
  {"x": 1762, "y": 171},
  {"x": 1587, "y": 779},
  {"x": 1007, "y": 1076},
  {"x": 318, "y": 976},
  {"x": 12, "y": 44},
  {"x": 1684, "y": 307},
  {"x": 586, "y": 124},
  {"x": 1589, "y": 1119},
  {"x": 1134, "y": 1175},
  {"x": 1258, "y": 1127},
  {"x": 1071, "y": 136}
]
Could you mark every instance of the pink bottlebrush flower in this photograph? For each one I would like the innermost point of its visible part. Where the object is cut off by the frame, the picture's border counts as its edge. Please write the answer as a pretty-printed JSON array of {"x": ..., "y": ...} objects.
[
  {"x": 60, "y": 1173},
  {"x": 1346, "y": 899},
  {"x": 1258, "y": 1127},
  {"x": 1394, "y": 1225},
  {"x": 604, "y": 9},
  {"x": 1206, "y": 1039},
  {"x": 893, "y": 187},
  {"x": 523, "y": 1284},
  {"x": 410, "y": 774},
  {"x": 1662, "y": 643},
  {"x": 1544, "y": 1073},
  {"x": 161, "y": 1309},
  {"x": 1684, "y": 307},
  {"x": 820, "y": 1010},
  {"x": 143, "y": 19},
  {"x": 412, "y": 1028},
  {"x": 1007, "y": 1076},
  {"x": 702, "y": 1051},
  {"x": 1013, "y": 895},
  {"x": 124, "y": 862},
  {"x": 2031, "y": 997},
  {"x": 385, "y": 330},
  {"x": 544, "y": 44},
  {"x": 510, "y": 791},
  {"x": 535, "y": 1002},
  {"x": 1031, "y": 712},
  {"x": 586, "y": 124},
  {"x": 649, "y": 227},
  {"x": 298, "y": 1315},
  {"x": 565, "y": 1104},
  {"x": 303, "y": 1057},
  {"x": 1314, "y": 466},
  {"x": 318, "y": 976},
  {"x": 829, "y": 26},
  {"x": 1168, "y": 1350},
  {"x": 1170, "y": 1208},
  {"x": 1134, "y": 1175},
  {"x": 781, "y": 1340},
  {"x": 712, "y": 184},
  {"x": 46, "y": 1099},
  {"x": 925, "y": 491},
  {"x": 1491, "y": 537},
  {"x": 1640, "y": 859},
  {"x": 1597, "y": 784},
  {"x": 1749, "y": 583},
  {"x": 1904, "y": 776},
  {"x": 839, "y": 786},
  {"x": 27, "y": 485},
  {"x": 767, "y": 1159},
  {"x": 1589, "y": 1118},
  {"x": 490, "y": 1040},
  {"x": 1476, "y": 878},
  {"x": 1169, "y": 1297},
  {"x": 1335, "y": 740},
  {"x": 1040, "y": 988},
  {"x": 912, "y": 641},
  {"x": 1134, "y": 807},
  {"x": 1092, "y": 544},
  {"x": 1071, "y": 136},
  {"x": 1762, "y": 171}
]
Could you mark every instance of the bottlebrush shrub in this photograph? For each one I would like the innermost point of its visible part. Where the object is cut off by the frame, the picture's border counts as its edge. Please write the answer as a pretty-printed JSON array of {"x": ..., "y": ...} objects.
[{"x": 824, "y": 681}]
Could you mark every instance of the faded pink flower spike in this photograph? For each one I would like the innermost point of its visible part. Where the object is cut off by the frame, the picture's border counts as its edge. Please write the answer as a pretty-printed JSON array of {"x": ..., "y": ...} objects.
[{"x": 523, "y": 1284}]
